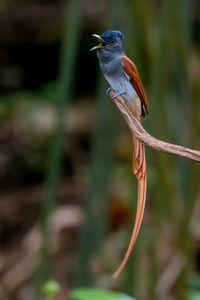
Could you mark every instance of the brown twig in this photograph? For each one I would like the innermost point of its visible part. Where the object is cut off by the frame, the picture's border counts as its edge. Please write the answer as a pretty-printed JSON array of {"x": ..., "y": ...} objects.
[{"x": 142, "y": 135}]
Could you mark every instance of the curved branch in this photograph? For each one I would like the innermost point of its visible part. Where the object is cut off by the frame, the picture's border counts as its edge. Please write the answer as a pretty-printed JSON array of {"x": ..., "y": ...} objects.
[{"x": 148, "y": 140}]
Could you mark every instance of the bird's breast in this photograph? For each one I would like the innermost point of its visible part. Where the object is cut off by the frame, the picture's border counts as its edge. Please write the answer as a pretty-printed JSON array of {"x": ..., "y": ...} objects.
[
  {"x": 122, "y": 84},
  {"x": 117, "y": 78},
  {"x": 119, "y": 81}
]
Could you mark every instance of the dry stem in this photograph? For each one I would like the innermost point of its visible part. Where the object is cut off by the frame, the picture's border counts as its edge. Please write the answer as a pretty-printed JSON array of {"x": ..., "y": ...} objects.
[{"x": 149, "y": 140}]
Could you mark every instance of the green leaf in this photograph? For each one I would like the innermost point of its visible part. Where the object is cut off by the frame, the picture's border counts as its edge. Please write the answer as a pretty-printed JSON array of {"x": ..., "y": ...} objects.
[
  {"x": 51, "y": 288},
  {"x": 96, "y": 294}
]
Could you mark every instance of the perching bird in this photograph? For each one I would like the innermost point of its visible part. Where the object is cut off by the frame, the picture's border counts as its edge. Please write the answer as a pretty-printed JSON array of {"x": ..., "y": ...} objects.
[{"x": 123, "y": 77}]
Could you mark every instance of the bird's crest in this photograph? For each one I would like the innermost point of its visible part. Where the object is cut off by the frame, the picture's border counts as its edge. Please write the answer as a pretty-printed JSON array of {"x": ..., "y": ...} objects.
[{"x": 112, "y": 34}]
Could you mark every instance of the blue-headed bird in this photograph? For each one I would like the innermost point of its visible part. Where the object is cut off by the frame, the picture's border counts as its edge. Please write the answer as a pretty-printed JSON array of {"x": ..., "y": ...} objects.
[{"x": 123, "y": 77}]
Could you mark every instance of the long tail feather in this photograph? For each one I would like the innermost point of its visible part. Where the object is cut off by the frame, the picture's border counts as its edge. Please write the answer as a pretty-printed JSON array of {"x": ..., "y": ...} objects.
[{"x": 139, "y": 169}]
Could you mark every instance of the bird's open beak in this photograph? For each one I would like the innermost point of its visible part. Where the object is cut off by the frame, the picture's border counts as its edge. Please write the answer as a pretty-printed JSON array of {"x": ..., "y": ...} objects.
[{"x": 102, "y": 43}]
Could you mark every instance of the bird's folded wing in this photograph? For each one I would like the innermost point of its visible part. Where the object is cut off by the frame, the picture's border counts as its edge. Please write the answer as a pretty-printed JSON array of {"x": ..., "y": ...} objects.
[{"x": 131, "y": 70}]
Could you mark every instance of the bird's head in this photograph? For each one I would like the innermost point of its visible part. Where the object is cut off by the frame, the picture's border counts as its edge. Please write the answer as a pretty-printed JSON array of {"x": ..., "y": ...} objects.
[{"x": 110, "y": 41}]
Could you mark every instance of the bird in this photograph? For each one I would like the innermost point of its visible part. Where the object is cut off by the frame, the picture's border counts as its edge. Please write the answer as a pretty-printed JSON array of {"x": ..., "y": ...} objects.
[{"x": 123, "y": 77}]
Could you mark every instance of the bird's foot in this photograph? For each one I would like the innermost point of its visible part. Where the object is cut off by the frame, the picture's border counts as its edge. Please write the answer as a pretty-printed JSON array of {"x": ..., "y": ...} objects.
[
  {"x": 108, "y": 90},
  {"x": 118, "y": 94}
]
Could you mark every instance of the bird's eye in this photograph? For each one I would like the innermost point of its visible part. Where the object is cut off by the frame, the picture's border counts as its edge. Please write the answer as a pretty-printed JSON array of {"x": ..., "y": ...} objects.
[{"x": 112, "y": 42}]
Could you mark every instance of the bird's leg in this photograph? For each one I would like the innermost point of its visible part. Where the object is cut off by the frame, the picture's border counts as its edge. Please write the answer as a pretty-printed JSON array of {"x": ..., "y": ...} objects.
[{"x": 117, "y": 94}]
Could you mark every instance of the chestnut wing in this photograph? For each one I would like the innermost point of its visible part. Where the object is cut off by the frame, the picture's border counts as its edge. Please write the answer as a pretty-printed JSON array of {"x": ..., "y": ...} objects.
[{"x": 131, "y": 70}]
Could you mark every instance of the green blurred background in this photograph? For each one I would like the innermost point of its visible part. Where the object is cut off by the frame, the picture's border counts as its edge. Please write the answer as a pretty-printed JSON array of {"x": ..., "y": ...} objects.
[{"x": 67, "y": 193}]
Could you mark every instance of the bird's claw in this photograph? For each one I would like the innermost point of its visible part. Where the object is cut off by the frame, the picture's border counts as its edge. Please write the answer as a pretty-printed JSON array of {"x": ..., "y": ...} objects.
[
  {"x": 118, "y": 94},
  {"x": 108, "y": 90}
]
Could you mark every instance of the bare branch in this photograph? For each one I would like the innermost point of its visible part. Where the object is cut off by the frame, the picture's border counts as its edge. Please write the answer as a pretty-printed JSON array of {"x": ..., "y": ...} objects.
[{"x": 149, "y": 140}]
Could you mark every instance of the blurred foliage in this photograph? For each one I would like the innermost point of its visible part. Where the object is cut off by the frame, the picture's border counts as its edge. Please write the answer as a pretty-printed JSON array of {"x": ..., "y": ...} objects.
[
  {"x": 66, "y": 78},
  {"x": 51, "y": 288},
  {"x": 95, "y": 294},
  {"x": 193, "y": 295}
]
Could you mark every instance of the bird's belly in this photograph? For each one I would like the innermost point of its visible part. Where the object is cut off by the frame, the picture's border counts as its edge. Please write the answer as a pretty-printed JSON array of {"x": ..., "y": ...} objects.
[{"x": 122, "y": 84}]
